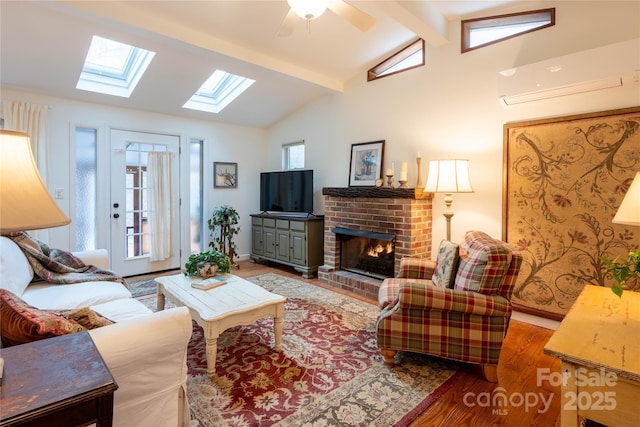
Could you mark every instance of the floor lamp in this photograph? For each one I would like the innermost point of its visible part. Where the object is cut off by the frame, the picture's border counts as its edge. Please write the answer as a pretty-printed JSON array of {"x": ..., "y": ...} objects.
[
  {"x": 25, "y": 203},
  {"x": 448, "y": 177}
]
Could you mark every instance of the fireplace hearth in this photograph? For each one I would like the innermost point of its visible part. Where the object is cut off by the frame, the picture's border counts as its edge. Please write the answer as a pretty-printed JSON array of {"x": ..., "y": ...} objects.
[{"x": 366, "y": 252}]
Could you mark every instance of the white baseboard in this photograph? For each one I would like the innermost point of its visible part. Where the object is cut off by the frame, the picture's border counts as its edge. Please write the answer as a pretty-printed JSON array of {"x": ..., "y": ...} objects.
[{"x": 543, "y": 322}]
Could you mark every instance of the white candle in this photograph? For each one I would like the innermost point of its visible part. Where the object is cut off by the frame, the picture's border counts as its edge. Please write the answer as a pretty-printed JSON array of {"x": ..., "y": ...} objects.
[
  {"x": 403, "y": 175},
  {"x": 391, "y": 170},
  {"x": 419, "y": 154},
  {"x": 404, "y": 167}
]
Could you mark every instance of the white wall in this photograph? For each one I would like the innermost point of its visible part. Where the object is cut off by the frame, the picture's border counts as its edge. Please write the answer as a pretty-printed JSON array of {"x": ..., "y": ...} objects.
[
  {"x": 449, "y": 109},
  {"x": 226, "y": 143}
]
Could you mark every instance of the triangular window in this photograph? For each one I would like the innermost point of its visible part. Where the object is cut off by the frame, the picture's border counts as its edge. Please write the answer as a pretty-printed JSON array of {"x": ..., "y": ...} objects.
[
  {"x": 482, "y": 32},
  {"x": 409, "y": 57}
]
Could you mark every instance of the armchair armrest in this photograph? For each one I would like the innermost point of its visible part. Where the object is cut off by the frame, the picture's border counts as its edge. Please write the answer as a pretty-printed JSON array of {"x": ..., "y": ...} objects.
[
  {"x": 147, "y": 357},
  {"x": 97, "y": 257},
  {"x": 422, "y": 296},
  {"x": 416, "y": 268}
]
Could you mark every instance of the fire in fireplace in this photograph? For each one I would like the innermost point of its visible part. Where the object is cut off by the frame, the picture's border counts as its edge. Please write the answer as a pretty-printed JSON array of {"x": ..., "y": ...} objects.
[{"x": 366, "y": 252}]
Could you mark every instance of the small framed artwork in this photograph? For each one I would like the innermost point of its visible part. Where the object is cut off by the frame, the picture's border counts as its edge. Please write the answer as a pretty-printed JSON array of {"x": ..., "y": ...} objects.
[
  {"x": 225, "y": 175},
  {"x": 366, "y": 163}
]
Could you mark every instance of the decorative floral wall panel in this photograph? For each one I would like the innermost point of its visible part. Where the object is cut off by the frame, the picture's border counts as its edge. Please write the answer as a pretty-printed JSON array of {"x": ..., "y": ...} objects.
[{"x": 564, "y": 179}]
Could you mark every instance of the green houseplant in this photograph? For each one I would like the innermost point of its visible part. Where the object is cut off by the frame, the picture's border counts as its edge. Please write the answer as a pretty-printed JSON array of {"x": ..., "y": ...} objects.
[
  {"x": 223, "y": 225},
  {"x": 625, "y": 271},
  {"x": 198, "y": 261}
]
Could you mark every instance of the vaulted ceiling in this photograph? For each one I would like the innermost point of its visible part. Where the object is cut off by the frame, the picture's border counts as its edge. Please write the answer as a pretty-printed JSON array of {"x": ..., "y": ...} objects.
[{"x": 43, "y": 46}]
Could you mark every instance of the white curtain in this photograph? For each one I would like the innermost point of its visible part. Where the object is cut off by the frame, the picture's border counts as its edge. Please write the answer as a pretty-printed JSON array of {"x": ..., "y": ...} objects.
[
  {"x": 31, "y": 119},
  {"x": 159, "y": 188}
]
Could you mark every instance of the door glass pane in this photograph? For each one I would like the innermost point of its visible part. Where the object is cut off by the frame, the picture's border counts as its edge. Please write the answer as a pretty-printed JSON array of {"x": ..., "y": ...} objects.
[
  {"x": 86, "y": 189},
  {"x": 137, "y": 209}
]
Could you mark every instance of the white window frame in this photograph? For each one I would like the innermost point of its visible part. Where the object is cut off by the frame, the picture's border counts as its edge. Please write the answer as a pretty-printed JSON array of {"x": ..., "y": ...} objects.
[{"x": 286, "y": 158}]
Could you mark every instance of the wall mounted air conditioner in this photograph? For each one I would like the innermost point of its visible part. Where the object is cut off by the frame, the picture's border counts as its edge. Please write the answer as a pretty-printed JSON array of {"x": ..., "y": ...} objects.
[{"x": 605, "y": 67}]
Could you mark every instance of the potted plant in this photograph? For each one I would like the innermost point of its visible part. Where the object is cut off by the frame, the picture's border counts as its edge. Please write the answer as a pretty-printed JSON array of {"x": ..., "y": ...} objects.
[
  {"x": 625, "y": 271},
  {"x": 223, "y": 226},
  {"x": 207, "y": 264}
]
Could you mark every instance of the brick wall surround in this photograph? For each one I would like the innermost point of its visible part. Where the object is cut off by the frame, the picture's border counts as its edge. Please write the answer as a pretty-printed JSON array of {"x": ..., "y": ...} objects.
[{"x": 405, "y": 213}]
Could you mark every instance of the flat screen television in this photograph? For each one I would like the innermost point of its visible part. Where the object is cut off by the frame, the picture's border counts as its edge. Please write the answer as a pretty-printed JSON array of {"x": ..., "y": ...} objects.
[{"x": 287, "y": 191}]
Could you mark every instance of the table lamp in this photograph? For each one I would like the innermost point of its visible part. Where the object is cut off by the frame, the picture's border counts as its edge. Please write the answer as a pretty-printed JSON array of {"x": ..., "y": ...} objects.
[
  {"x": 25, "y": 203},
  {"x": 628, "y": 213},
  {"x": 448, "y": 177}
]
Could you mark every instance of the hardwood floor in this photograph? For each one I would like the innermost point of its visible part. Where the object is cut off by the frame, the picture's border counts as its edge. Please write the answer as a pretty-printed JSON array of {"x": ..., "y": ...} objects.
[{"x": 469, "y": 402}]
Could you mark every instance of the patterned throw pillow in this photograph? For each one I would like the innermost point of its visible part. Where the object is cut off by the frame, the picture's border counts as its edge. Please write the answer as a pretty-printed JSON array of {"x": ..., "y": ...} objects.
[
  {"x": 86, "y": 317},
  {"x": 21, "y": 323},
  {"x": 484, "y": 268},
  {"x": 446, "y": 264}
]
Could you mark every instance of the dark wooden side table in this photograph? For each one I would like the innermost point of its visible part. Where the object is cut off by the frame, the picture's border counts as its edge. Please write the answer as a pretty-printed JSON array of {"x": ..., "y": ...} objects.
[{"x": 59, "y": 381}]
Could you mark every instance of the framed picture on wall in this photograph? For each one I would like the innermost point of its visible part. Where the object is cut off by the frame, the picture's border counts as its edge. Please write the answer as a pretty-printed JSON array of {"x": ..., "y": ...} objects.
[
  {"x": 565, "y": 178},
  {"x": 225, "y": 175},
  {"x": 366, "y": 163}
]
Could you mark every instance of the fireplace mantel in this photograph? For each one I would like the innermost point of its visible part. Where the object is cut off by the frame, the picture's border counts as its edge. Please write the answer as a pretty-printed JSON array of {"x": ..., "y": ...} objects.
[{"x": 377, "y": 193}]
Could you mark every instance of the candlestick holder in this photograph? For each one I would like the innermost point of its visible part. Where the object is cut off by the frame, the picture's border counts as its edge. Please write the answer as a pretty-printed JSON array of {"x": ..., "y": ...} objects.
[
  {"x": 419, "y": 181},
  {"x": 390, "y": 181},
  {"x": 403, "y": 183}
]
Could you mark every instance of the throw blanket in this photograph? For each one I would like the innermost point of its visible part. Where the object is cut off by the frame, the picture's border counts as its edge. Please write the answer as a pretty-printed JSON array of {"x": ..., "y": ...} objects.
[{"x": 58, "y": 266}]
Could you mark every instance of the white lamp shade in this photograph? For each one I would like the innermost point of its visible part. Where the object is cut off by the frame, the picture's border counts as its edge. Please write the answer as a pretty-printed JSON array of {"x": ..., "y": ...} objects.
[
  {"x": 25, "y": 203},
  {"x": 308, "y": 9},
  {"x": 448, "y": 176},
  {"x": 629, "y": 210}
]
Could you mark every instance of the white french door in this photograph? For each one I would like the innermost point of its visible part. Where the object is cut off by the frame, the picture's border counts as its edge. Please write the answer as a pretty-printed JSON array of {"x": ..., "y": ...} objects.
[{"x": 131, "y": 234}]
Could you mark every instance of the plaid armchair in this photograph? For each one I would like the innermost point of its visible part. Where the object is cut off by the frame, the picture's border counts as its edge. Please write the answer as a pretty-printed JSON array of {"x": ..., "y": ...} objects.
[{"x": 457, "y": 307}]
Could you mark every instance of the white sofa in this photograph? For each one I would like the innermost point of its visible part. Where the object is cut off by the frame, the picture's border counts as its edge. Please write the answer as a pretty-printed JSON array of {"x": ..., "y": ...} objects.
[{"x": 146, "y": 352}]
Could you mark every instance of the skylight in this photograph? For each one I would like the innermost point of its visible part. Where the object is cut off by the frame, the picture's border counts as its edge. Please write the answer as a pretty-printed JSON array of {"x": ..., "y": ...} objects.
[
  {"x": 218, "y": 92},
  {"x": 113, "y": 68}
]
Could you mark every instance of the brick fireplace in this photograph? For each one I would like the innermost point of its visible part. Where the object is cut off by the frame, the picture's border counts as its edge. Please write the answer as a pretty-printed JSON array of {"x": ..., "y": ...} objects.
[{"x": 404, "y": 213}]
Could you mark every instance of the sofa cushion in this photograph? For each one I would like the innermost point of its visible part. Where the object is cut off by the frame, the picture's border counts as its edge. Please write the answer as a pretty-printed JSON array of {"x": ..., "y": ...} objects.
[
  {"x": 15, "y": 271},
  {"x": 446, "y": 264},
  {"x": 122, "y": 309},
  {"x": 21, "y": 323},
  {"x": 67, "y": 296},
  {"x": 484, "y": 268}
]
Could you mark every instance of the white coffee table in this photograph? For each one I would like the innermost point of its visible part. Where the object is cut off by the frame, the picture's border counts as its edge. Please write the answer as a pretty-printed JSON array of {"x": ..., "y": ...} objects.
[{"x": 237, "y": 302}]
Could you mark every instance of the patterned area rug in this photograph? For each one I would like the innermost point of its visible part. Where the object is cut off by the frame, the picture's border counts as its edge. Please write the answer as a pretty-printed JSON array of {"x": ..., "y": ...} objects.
[{"x": 329, "y": 373}]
